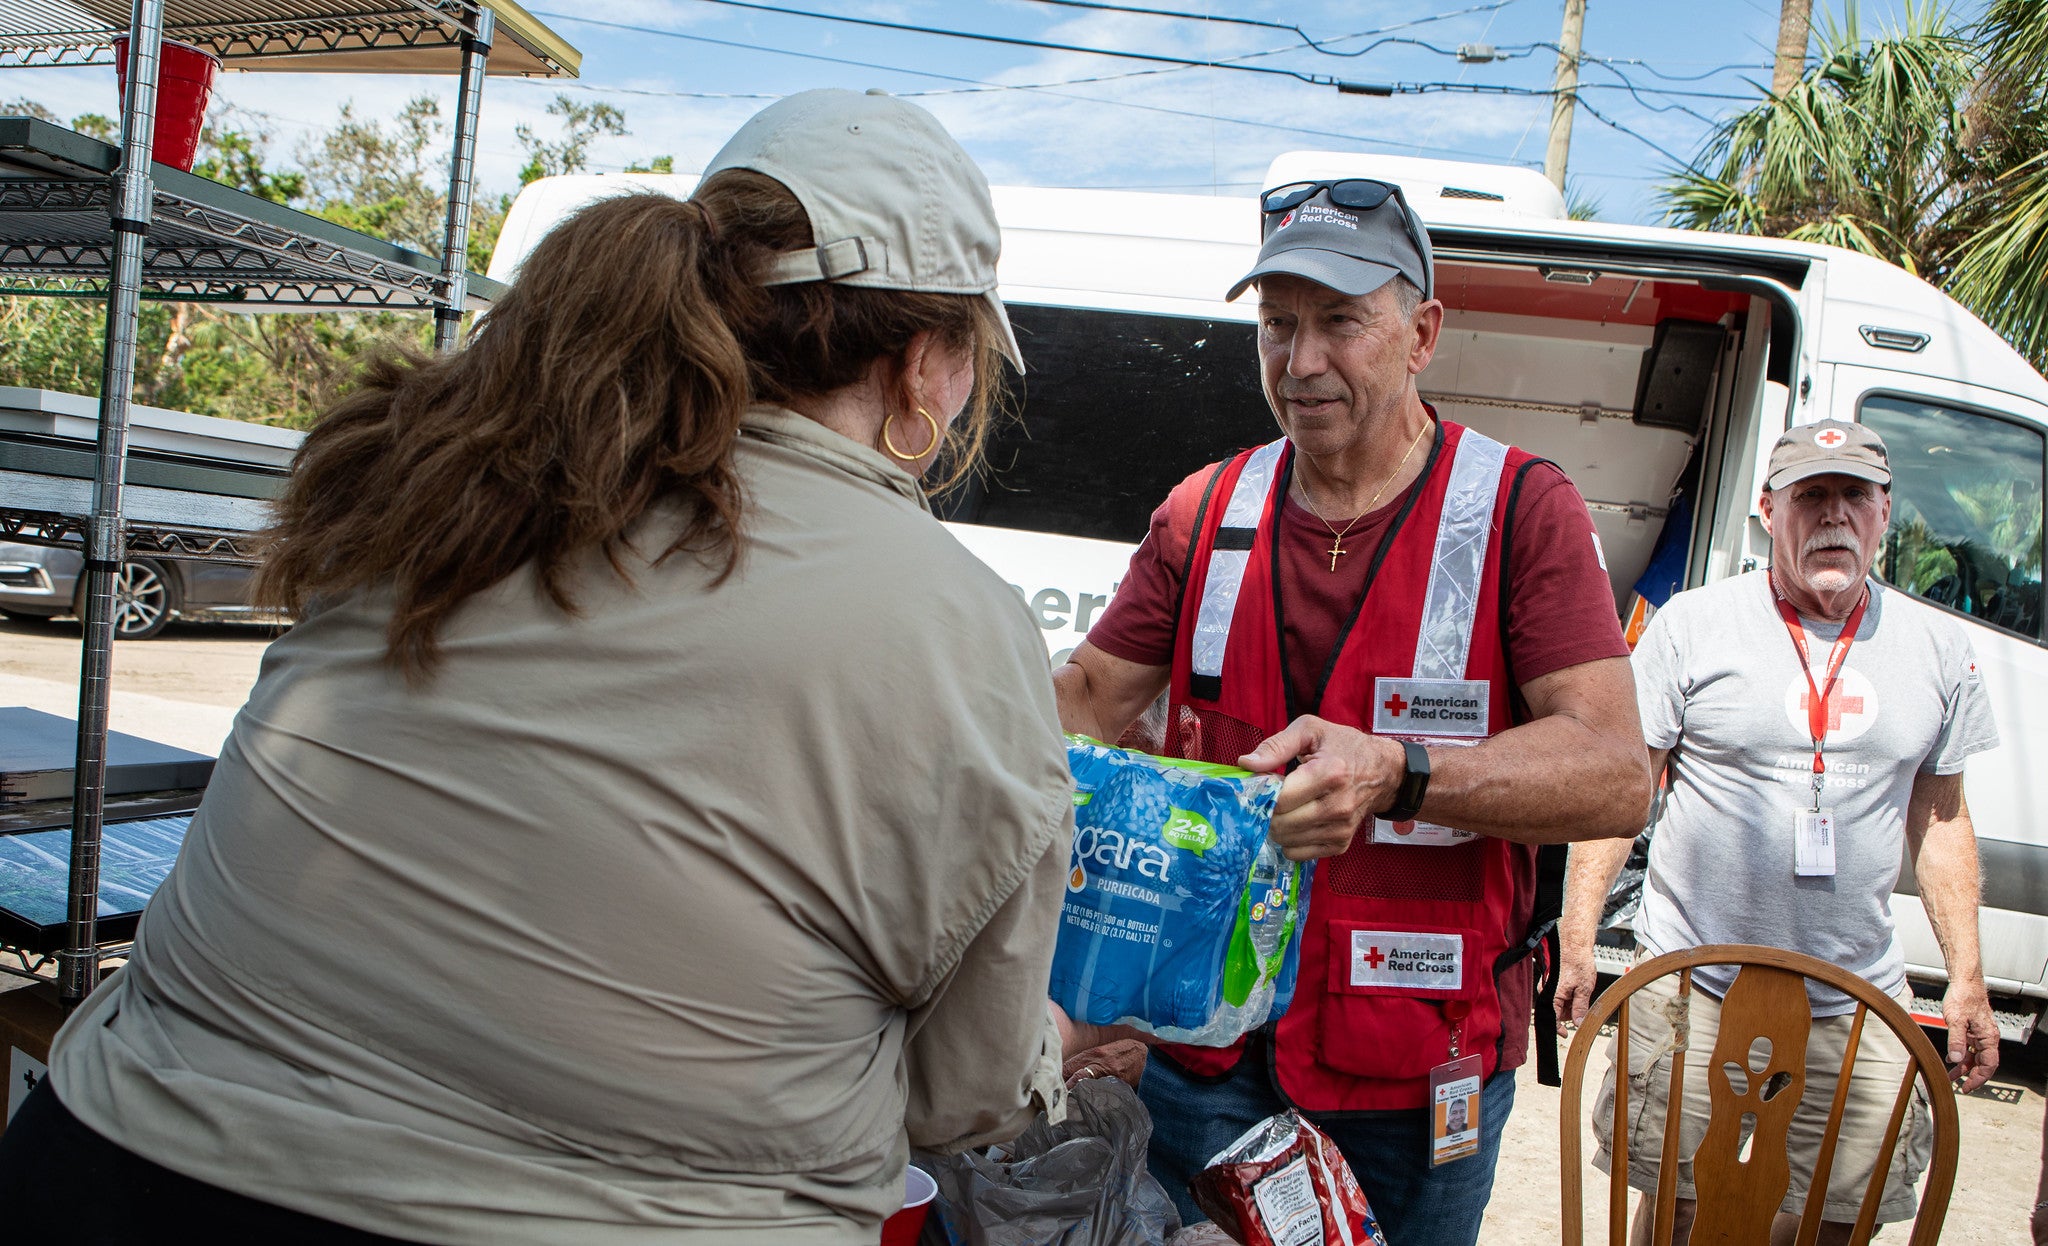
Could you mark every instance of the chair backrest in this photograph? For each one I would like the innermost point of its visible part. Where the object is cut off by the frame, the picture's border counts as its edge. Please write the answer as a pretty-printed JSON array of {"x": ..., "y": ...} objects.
[{"x": 1739, "y": 1195}]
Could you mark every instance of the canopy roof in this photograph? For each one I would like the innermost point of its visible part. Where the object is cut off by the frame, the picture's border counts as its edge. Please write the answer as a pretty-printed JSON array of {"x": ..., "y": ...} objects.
[{"x": 299, "y": 36}]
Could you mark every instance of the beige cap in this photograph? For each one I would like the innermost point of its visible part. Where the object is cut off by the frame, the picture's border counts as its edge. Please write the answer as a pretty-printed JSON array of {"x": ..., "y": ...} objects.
[
  {"x": 895, "y": 203},
  {"x": 1829, "y": 447}
]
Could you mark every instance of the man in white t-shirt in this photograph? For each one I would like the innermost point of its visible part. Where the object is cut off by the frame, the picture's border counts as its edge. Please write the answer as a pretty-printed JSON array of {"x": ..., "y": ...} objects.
[{"x": 1814, "y": 724}]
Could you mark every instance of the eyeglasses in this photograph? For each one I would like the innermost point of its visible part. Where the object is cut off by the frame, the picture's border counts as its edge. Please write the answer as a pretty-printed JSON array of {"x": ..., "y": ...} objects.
[{"x": 1361, "y": 194}]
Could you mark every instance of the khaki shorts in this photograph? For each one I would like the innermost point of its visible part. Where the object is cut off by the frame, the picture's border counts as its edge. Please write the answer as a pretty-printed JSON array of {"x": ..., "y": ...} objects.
[{"x": 1873, "y": 1085}]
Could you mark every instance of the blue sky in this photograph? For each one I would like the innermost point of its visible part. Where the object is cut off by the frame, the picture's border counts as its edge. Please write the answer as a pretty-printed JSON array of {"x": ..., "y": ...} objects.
[{"x": 1027, "y": 115}]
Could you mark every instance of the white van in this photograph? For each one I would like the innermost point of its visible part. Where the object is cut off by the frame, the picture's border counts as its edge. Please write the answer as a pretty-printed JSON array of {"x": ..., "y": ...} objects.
[{"x": 1656, "y": 366}]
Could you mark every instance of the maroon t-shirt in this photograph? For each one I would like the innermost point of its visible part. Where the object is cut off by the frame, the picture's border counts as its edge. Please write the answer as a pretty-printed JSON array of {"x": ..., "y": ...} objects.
[{"x": 1560, "y": 611}]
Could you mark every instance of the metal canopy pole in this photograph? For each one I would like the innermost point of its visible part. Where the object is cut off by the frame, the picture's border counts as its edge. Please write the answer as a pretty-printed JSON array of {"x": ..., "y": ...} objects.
[
  {"x": 79, "y": 962},
  {"x": 476, "y": 49}
]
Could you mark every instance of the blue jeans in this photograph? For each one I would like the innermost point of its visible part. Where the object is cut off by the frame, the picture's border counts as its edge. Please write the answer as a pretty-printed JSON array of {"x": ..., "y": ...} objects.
[{"x": 1388, "y": 1151}]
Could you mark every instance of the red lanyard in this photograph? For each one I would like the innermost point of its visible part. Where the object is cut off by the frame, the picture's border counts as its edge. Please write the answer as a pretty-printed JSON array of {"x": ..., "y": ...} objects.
[{"x": 1817, "y": 701}]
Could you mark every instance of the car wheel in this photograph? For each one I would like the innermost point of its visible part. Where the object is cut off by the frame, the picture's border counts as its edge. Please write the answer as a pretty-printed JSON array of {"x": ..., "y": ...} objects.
[{"x": 145, "y": 598}]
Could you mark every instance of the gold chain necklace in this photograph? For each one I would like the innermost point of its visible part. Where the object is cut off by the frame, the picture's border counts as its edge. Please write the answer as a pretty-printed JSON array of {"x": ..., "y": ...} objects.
[{"x": 1337, "y": 549}]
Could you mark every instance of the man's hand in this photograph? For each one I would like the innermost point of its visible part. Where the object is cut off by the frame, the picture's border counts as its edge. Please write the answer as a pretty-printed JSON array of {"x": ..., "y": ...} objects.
[
  {"x": 1972, "y": 1035},
  {"x": 1345, "y": 776},
  {"x": 1577, "y": 975}
]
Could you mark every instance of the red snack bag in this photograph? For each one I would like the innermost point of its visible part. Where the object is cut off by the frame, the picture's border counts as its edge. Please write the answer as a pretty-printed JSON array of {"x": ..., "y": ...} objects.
[{"x": 1285, "y": 1183}]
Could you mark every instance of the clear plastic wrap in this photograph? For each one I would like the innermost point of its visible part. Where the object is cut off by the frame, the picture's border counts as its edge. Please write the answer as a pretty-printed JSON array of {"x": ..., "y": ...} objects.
[
  {"x": 1285, "y": 1183},
  {"x": 1181, "y": 918}
]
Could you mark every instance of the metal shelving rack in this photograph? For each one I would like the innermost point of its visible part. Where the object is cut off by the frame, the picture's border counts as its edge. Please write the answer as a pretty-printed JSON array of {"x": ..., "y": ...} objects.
[{"x": 77, "y": 215}]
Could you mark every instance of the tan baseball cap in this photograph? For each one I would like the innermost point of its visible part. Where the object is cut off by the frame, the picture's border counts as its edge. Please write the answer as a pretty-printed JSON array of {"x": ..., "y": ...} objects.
[
  {"x": 1827, "y": 447},
  {"x": 895, "y": 203}
]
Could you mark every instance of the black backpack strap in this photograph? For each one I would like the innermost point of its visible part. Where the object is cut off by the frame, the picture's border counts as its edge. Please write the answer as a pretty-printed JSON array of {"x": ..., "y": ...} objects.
[{"x": 1550, "y": 858}]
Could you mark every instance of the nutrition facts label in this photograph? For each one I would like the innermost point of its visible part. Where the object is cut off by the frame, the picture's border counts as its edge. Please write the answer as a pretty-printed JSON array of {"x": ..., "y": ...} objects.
[{"x": 1287, "y": 1205}]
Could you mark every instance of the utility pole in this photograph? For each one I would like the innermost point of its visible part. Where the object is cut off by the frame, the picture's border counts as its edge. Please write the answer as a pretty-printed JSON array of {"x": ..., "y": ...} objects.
[
  {"x": 1567, "y": 98},
  {"x": 1795, "y": 20}
]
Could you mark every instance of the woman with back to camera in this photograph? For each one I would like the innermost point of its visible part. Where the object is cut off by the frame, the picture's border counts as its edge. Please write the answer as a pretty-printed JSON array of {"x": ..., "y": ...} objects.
[{"x": 657, "y": 821}]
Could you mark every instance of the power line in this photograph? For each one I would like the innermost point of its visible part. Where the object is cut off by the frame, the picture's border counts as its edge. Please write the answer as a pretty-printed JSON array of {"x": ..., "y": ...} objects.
[
  {"x": 1318, "y": 80},
  {"x": 1643, "y": 64},
  {"x": 977, "y": 86},
  {"x": 1320, "y": 45},
  {"x": 1612, "y": 124}
]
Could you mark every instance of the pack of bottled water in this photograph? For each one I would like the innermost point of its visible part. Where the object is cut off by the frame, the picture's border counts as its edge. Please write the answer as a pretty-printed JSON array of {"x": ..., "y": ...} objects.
[{"x": 1181, "y": 918}]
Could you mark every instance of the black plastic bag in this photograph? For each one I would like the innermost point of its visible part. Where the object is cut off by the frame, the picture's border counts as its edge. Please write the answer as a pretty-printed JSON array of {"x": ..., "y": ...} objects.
[{"x": 1082, "y": 1182}]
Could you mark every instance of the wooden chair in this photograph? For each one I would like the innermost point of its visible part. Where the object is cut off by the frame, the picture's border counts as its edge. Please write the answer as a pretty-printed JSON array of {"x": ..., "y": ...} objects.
[{"x": 1738, "y": 1196}]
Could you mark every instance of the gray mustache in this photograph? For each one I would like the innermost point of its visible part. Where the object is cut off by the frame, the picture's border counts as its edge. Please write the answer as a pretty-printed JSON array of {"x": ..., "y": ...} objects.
[{"x": 1832, "y": 538}]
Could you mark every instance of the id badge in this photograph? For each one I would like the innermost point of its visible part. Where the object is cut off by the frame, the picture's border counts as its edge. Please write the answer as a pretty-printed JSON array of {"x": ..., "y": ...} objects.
[
  {"x": 1419, "y": 834},
  {"x": 1454, "y": 1110},
  {"x": 1813, "y": 843}
]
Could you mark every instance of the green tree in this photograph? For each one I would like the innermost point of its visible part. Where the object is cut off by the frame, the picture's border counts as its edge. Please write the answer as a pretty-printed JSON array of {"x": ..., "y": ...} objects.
[
  {"x": 581, "y": 125},
  {"x": 2002, "y": 274},
  {"x": 21, "y": 106},
  {"x": 97, "y": 125},
  {"x": 387, "y": 180},
  {"x": 237, "y": 157},
  {"x": 1922, "y": 146}
]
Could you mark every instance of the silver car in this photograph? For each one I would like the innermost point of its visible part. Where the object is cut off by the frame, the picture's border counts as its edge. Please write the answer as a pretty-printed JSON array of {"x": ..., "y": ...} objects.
[{"x": 43, "y": 582}]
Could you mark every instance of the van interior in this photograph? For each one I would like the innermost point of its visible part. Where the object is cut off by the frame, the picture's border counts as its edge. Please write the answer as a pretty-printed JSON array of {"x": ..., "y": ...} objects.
[{"x": 1618, "y": 378}]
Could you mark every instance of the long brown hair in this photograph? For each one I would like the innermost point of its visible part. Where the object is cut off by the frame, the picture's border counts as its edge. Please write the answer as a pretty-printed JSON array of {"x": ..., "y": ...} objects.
[{"x": 610, "y": 377}]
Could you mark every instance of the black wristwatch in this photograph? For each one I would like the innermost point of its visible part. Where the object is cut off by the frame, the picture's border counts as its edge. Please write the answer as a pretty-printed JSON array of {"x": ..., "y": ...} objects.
[{"x": 1408, "y": 797}]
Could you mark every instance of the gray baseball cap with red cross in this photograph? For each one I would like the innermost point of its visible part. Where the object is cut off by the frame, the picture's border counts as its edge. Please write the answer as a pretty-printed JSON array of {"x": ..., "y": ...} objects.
[{"x": 1829, "y": 447}]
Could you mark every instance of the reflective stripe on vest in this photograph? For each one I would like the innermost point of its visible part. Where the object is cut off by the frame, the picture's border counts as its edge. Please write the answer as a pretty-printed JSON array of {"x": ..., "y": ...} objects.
[
  {"x": 1449, "y": 609},
  {"x": 1449, "y": 612},
  {"x": 1228, "y": 556}
]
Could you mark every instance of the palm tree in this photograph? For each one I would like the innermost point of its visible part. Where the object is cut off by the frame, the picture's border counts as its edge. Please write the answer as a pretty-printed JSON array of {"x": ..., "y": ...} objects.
[
  {"x": 2002, "y": 272},
  {"x": 1923, "y": 146}
]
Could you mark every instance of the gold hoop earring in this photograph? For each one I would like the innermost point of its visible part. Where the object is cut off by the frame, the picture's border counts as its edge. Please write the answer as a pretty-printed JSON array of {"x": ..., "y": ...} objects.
[{"x": 933, "y": 444}]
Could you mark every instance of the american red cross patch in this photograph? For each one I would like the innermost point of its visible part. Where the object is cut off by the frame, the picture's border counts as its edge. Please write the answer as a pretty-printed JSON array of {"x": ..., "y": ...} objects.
[{"x": 1414, "y": 959}]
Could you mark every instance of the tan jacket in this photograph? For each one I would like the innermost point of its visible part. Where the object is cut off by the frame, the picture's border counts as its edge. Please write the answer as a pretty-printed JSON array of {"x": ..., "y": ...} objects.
[{"x": 690, "y": 912}]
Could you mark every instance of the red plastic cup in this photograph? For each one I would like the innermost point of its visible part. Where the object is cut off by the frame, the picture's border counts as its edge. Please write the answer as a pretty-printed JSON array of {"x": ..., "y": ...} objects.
[
  {"x": 184, "y": 84},
  {"x": 919, "y": 1190}
]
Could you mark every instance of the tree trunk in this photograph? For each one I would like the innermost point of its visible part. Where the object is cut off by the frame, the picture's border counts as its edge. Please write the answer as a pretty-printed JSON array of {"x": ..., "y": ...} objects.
[{"x": 1795, "y": 21}]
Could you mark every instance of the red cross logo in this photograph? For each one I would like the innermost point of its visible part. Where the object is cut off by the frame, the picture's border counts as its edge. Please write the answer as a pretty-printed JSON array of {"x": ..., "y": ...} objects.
[
  {"x": 1829, "y": 438},
  {"x": 1285, "y": 221},
  {"x": 1837, "y": 706},
  {"x": 1373, "y": 959},
  {"x": 1395, "y": 705}
]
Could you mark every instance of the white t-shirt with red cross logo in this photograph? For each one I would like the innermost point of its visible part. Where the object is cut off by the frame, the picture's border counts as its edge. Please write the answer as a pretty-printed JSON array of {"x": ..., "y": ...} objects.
[{"x": 1719, "y": 684}]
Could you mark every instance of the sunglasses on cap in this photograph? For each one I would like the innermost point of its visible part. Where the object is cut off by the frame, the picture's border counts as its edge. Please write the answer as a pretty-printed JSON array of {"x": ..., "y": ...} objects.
[{"x": 1361, "y": 194}]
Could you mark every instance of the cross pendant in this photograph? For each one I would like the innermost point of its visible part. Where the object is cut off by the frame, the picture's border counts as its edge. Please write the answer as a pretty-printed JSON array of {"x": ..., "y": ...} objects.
[{"x": 1336, "y": 550}]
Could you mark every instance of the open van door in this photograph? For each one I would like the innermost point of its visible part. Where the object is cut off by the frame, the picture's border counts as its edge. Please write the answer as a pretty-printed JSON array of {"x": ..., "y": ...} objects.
[{"x": 1967, "y": 473}]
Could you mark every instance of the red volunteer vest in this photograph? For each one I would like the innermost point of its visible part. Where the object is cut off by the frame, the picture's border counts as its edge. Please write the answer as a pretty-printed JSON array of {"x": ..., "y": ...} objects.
[{"x": 1404, "y": 929}]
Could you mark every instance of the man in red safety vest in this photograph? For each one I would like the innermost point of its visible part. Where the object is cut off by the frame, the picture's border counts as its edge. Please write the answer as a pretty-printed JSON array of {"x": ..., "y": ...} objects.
[{"x": 1414, "y": 623}]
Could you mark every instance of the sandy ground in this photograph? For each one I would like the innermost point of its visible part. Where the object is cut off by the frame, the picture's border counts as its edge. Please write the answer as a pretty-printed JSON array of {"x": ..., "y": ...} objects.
[{"x": 183, "y": 688}]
